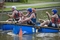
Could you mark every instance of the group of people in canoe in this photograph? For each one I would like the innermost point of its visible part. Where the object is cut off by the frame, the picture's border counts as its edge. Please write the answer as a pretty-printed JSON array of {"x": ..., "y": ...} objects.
[{"x": 30, "y": 17}]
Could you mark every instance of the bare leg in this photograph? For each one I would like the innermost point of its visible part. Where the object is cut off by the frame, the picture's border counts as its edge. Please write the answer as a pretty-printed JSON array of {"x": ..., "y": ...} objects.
[
  {"x": 9, "y": 19},
  {"x": 45, "y": 23},
  {"x": 24, "y": 20},
  {"x": 41, "y": 20}
]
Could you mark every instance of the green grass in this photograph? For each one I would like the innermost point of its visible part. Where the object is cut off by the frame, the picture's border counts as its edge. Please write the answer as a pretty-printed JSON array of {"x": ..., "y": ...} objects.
[
  {"x": 41, "y": 14},
  {"x": 29, "y": 2},
  {"x": 39, "y": 1},
  {"x": 21, "y": 8},
  {"x": 5, "y": 17},
  {"x": 12, "y": 3}
]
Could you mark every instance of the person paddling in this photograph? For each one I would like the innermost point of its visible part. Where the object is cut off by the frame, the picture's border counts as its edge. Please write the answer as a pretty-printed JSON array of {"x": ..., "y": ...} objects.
[
  {"x": 54, "y": 17},
  {"x": 30, "y": 17},
  {"x": 16, "y": 15}
]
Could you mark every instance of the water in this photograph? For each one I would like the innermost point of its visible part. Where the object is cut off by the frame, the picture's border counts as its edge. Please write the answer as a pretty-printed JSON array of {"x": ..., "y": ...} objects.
[{"x": 38, "y": 36}]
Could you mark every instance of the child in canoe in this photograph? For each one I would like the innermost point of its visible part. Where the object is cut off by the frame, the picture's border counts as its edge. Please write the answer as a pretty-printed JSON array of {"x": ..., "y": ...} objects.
[
  {"x": 30, "y": 17},
  {"x": 54, "y": 19},
  {"x": 16, "y": 15}
]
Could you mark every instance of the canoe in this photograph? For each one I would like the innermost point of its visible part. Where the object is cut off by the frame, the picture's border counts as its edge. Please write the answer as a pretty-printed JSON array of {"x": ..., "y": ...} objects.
[
  {"x": 48, "y": 30},
  {"x": 27, "y": 29},
  {"x": 16, "y": 28}
]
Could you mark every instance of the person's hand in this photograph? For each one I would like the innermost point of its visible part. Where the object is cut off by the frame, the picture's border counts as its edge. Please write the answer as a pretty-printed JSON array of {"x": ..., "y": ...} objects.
[
  {"x": 47, "y": 12},
  {"x": 8, "y": 15},
  {"x": 20, "y": 21}
]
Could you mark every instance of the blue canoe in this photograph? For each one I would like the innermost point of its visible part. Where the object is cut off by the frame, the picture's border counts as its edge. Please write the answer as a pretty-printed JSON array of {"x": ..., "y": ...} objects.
[
  {"x": 27, "y": 29},
  {"x": 16, "y": 28},
  {"x": 48, "y": 30}
]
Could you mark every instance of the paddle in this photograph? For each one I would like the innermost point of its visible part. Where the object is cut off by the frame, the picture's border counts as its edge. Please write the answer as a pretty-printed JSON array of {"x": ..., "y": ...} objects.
[{"x": 20, "y": 34}]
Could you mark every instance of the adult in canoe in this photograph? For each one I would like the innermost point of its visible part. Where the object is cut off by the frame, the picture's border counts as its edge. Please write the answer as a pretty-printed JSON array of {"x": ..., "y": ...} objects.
[
  {"x": 16, "y": 15},
  {"x": 30, "y": 17},
  {"x": 54, "y": 19}
]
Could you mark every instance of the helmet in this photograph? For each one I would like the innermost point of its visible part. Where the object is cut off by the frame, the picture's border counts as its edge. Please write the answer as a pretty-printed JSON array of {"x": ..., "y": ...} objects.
[
  {"x": 33, "y": 9},
  {"x": 29, "y": 9},
  {"x": 54, "y": 10},
  {"x": 14, "y": 7}
]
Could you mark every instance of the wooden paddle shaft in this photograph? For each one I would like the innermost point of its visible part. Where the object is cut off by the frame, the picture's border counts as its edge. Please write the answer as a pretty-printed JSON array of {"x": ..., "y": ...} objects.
[{"x": 8, "y": 22}]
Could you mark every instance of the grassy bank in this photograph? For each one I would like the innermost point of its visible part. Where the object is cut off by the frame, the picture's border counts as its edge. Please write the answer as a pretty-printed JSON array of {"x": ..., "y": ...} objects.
[
  {"x": 12, "y": 3},
  {"x": 39, "y": 1},
  {"x": 30, "y": 2},
  {"x": 41, "y": 14},
  {"x": 39, "y": 6}
]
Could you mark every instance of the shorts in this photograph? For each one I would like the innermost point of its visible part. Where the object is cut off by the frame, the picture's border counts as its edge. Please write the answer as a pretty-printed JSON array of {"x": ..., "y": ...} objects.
[
  {"x": 52, "y": 25},
  {"x": 16, "y": 19},
  {"x": 30, "y": 23}
]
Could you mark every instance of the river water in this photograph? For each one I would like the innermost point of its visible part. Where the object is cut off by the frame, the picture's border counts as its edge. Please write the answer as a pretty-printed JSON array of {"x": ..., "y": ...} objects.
[
  {"x": 38, "y": 36},
  {"x": 4, "y": 35}
]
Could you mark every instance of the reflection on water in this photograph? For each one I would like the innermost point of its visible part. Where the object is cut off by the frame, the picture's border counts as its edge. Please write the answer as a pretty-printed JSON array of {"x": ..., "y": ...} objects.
[
  {"x": 39, "y": 36},
  {"x": 48, "y": 36}
]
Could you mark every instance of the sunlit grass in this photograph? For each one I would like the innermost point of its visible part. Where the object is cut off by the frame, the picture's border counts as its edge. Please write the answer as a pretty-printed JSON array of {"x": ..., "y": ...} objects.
[{"x": 24, "y": 7}]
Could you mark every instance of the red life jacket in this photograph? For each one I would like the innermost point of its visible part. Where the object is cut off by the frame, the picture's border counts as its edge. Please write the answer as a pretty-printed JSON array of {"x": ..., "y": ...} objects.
[
  {"x": 56, "y": 20},
  {"x": 53, "y": 20},
  {"x": 16, "y": 15}
]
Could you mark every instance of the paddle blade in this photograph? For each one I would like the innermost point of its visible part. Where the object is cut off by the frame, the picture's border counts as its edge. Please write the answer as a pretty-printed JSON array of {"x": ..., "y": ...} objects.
[{"x": 20, "y": 33}]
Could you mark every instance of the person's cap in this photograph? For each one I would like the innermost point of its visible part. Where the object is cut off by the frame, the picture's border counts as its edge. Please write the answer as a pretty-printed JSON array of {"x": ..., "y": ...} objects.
[
  {"x": 14, "y": 7},
  {"x": 54, "y": 10},
  {"x": 29, "y": 9}
]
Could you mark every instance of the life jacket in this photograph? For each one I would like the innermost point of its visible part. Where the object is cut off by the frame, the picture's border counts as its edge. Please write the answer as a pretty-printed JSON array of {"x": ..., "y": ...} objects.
[
  {"x": 33, "y": 19},
  {"x": 56, "y": 20},
  {"x": 16, "y": 15},
  {"x": 53, "y": 20}
]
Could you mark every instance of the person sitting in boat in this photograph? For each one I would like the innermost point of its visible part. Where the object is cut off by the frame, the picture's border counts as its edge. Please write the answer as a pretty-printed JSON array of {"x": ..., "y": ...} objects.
[
  {"x": 16, "y": 15},
  {"x": 30, "y": 17},
  {"x": 53, "y": 22}
]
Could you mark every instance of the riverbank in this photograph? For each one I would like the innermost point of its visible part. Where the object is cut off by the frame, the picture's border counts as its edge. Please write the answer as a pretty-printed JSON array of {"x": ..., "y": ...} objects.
[
  {"x": 38, "y": 5},
  {"x": 40, "y": 12}
]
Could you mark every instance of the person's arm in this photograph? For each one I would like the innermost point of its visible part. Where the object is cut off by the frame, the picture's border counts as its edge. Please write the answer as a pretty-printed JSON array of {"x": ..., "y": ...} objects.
[
  {"x": 26, "y": 15},
  {"x": 48, "y": 14},
  {"x": 27, "y": 19},
  {"x": 11, "y": 15},
  {"x": 55, "y": 16},
  {"x": 21, "y": 14}
]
